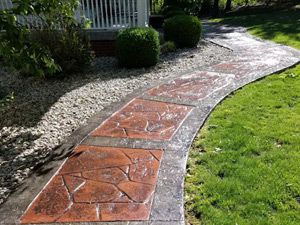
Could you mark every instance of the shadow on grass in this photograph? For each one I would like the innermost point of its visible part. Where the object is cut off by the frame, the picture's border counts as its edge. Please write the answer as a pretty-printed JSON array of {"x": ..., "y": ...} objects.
[{"x": 280, "y": 26}]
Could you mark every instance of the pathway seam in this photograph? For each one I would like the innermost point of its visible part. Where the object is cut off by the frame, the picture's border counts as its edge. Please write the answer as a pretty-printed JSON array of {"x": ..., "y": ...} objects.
[{"x": 175, "y": 109}]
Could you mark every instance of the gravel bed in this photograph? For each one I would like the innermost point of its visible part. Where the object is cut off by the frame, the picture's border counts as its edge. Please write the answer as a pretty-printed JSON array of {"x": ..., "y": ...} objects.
[{"x": 44, "y": 112}]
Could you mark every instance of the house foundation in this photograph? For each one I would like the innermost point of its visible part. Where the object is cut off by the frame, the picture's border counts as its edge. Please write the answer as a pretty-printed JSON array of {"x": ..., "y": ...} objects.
[{"x": 103, "y": 42}]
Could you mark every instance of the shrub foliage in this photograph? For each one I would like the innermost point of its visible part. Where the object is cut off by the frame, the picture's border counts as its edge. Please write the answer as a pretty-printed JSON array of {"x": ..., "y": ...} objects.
[
  {"x": 170, "y": 11},
  {"x": 167, "y": 47},
  {"x": 184, "y": 30},
  {"x": 138, "y": 47},
  {"x": 70, "y": 49},
  {"x": 24, "y": 47}
]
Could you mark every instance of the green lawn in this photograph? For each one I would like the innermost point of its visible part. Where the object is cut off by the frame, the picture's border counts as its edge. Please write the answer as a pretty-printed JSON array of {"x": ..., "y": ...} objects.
[
  {"x": 244, "y": 167},
  {"x": 281, "y": 26}
]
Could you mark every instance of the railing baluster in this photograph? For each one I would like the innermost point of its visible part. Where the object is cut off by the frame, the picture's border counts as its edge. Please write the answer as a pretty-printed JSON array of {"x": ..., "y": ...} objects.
[
  {"x": 147, "y": 9},
  {"x": 102, "y": 14},
  {"x": 115, "y": 10},
  {"x": 98, "y": 15},
  {"x": 88, "y": 9},
  {"x": 120, "y": 12},
  {"x": 93, "y": 14},
  {"x": 129, "y": 13},
  {"x": 133, "y": 12},
  {"x": 83, "y": 7},
  {"x": 6, "y": 5},
  {"x": 124, "y": 13},
  {"x": 141, "y": 13},
  {"x": 111, "y": 14},
  {"x": 105, "y": 14}
]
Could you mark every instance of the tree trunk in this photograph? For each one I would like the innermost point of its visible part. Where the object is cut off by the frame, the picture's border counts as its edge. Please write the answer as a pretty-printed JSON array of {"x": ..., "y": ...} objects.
[
  {"x": 216, "y": 9},
  {"x": 228, "y": 5}
]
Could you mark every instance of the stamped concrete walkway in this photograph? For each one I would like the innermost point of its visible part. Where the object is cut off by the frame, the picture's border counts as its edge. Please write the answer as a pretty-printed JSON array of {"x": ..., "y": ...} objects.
[{"x": 128, "y": 164}]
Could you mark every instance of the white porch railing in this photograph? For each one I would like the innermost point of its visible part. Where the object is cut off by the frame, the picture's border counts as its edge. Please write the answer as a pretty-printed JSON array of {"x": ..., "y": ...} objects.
[{"x": 103, "y": 14}]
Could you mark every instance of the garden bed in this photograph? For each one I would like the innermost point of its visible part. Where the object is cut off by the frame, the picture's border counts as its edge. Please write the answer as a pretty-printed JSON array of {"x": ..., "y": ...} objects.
[{"x": 44, "y": 112}]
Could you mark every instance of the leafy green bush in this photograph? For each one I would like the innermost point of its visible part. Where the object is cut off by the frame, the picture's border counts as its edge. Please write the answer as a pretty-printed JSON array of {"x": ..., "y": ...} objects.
[
  {"x": 168, "y": 46},
  {"x": 70, "y": 49},
  {"x": 138, "y": 47},
  {"x": 188, "y": 6},
  {"x": 180, "y": 3},
  {"x": 184, "y": 30},
  {"x": 170, "y": 11},
  {"x": 156, "y": 6},
  {"x": 21, "y": 50}
]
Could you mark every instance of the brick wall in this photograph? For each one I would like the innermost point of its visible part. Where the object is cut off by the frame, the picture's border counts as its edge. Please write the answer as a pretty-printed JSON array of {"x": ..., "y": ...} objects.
[{"x": 104, "y": 47}]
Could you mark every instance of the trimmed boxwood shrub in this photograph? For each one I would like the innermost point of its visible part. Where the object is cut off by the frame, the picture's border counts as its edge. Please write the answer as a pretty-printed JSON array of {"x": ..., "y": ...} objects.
[
  {"x": 138, "y": 47},
  {"x": 170, "y": 11},
  {"x": 184, "y": 30}
]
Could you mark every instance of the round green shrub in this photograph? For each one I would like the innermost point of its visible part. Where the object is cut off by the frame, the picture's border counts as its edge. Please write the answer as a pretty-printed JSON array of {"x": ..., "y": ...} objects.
[
  {"x": 184, "y": 30},
  {"x": 170, "y": 11},
  {"x": 167, "y": 47},
  {"x": 138, "y": 47},
  {"x": 174, "y": 12}
]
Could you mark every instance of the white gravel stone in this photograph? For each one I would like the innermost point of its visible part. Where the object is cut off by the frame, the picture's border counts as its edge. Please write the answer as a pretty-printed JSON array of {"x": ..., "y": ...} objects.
[{"x": 45, "y": 112}]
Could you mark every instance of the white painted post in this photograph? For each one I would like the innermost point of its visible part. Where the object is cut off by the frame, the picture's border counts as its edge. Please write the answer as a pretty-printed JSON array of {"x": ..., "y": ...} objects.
[
  {"x": 129, "y": 13},
  {"x": 141, "y": 12},
  {"x": 148, "y": 12},
  {"x": 5, "y": 4},
  {"x": 93, "y": 14},
  {"x": 133, "y": 12},
  {"x": 98, "y": 15}
]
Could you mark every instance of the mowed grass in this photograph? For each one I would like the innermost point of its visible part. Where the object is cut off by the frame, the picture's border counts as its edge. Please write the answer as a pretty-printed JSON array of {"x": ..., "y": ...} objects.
[
  {"x": 280, "y": 26},
  {"x": 244, "y": 166}
]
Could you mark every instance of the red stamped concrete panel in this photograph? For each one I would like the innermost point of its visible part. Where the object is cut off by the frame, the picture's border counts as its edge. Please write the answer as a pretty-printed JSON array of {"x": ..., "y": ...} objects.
[
  {"x": 121, "y": 211},
  {"x": 99, "y": 184},
  {"x": 194, "y": 86},
  {"x": 144, "y": 119},
  {"x": 241, "y": 68}
]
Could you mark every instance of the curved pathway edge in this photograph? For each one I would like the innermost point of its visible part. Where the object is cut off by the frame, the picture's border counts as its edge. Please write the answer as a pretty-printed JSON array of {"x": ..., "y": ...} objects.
[{"x": 155, "y": 126}]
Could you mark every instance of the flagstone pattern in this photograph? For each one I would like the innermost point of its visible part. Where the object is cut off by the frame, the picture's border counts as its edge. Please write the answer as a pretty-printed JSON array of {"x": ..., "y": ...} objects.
[
  {"x": 99, "y": 184},
  {"x": 144, "y": 119},
  {"x": 141, "y": 185},
  {"x": 194, "y": 86}
]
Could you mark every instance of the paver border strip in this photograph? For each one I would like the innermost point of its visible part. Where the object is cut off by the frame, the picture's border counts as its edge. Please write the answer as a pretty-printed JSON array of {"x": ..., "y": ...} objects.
[{"x": 167, "y": 207}]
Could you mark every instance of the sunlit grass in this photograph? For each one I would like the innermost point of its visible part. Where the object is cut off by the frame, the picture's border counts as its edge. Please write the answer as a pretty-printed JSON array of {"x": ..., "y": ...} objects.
[
  {"x": 280, "y": 26},
  {"x": 244, "y": 167}
]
